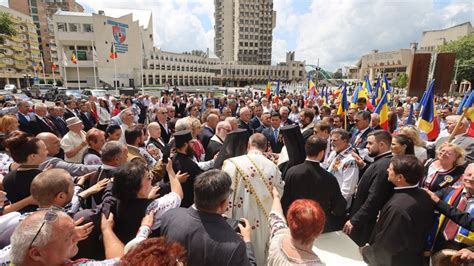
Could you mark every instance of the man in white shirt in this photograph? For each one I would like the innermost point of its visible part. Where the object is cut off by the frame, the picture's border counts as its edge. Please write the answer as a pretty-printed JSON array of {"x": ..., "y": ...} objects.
[
  {"x": 343, "y": 165},
  {"x": 127, "y": 121},
  {"x": 74, "y": 142}
]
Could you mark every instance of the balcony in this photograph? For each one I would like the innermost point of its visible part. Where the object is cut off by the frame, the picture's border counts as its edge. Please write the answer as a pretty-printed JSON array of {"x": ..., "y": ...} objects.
[
  {"x": 19, "y": 57},
  {"x": 21, "y": 66},
  {"x": 18, "y": 48}
]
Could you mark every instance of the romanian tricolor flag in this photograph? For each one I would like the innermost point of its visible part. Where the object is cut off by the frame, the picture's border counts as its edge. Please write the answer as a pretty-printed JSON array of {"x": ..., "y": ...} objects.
[
  {"x": 366, "y": 85},
  {"x": 361, "y": 92},
  {"x": 113, "y": 52},
  {"x": 376, "y": 92},
  {"x": 268, "y": 89},
  {"x": 311, "y": 89},
  {"x": 428, "y": 121},
  {"x": 74, "y": 58},
  {"x": 344, "y": 104},
  {"x": 382, "y": 110},
  {"x": 467, "y": 107}
]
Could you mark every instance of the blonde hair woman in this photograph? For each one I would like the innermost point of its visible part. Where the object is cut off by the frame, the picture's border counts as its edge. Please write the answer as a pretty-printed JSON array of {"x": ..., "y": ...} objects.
[
  {"x": 413, "y": 133},
  {"x": 446, "y": 169},
  {"x": 8, "y": 123}
]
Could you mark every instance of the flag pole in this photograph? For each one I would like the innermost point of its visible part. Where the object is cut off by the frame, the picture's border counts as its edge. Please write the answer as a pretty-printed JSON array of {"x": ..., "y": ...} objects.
[
  {"x": 77, "y": 68},
  {"x": 64, "y": 66},
  {"x": 42, "y": 67},
  {"x": 141, "y": 63},
  {"x": 115, "y": 71},
  {"x": 93, "y": 64},
  {"x": 52, "y": 70}
]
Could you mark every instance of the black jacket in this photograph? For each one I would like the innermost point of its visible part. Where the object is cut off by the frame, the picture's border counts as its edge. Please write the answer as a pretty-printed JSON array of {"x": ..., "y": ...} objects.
[
  {"x": 184, "y": 163},
  {"x": 310, "y": 181},
  {"x": 243, "y": 125},
  {"x": 205, "y": 136},
  {"x": 402, "y": 229},
  {"x": 207, "y": 237},
  {"x": 373, "y": 191}
]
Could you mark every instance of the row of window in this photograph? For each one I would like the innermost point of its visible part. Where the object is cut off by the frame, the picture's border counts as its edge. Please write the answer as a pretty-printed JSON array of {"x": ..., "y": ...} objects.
[
  {"x": 74, "y": 27},
  {"x": 177, "y": 81},
  {"x": 179, "y": 68}
]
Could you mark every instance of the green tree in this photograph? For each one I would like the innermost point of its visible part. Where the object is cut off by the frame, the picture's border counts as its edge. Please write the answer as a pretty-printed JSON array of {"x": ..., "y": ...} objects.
[
  {"x": 464, "y": 49},
  {"x": 7, "y": 27},
  {"x": 402, "y": 80}
]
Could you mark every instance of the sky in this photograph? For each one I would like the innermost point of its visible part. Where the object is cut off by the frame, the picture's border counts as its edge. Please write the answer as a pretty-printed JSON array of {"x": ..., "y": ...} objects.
[{"x": 337, "y": 32}]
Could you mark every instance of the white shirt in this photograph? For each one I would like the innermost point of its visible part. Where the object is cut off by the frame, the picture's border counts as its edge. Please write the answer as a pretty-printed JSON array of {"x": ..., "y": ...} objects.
[
  {"x": 344, "y": 167},
  {"x": 70, "y": 141}
]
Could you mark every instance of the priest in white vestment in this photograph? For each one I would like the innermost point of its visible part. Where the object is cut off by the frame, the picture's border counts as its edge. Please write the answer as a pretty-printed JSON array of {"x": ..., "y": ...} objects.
[{"x": 253, "y": 178}]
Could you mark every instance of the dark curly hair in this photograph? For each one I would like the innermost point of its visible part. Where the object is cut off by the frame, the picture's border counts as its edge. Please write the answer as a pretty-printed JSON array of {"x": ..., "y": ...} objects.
[
  {"x": 128, "y": 180},
  {"x": 155, "y": 251}
]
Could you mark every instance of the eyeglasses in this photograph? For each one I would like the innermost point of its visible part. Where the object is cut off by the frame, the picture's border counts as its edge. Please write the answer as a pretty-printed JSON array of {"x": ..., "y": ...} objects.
[{"x": 50, "y": 216}]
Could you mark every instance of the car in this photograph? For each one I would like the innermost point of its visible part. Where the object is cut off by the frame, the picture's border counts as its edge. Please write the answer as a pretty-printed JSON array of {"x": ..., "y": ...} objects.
[
  {"x": 96, "y": 93},
  {"x": 38, "y": 91},
  {"x": 9, "y": 87}
]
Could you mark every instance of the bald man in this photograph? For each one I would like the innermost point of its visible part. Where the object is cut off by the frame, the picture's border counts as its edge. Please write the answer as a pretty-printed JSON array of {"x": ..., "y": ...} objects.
[
  {"x": 53, "y": 145},
  {"x": 208, "y": 130}
]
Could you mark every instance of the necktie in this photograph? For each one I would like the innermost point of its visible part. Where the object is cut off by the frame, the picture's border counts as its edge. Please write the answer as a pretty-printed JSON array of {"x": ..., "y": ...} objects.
[
  {"x": 451, "y": 229},
  {"x": 275, "y": 132}
]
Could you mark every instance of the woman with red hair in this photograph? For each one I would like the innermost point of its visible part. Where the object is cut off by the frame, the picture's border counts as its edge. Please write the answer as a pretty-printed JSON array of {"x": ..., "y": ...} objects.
[{"x": 291, "y": 243}]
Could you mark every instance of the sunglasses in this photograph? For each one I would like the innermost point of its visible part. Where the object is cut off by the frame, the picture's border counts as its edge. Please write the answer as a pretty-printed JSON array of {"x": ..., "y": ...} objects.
[{"x": 49, "y": 217}]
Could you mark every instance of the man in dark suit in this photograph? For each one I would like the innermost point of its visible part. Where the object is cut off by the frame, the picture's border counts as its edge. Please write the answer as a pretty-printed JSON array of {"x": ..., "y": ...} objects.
[
  {"x": 40, "y": 123},
  {"x": 208, "y": 130},
  {"x": 265, "y": 122},
  {"x": 273, "y": 133},
  {"x": 359, "y": 138},
  {"x": 183, "y": 162},
  {"x": 244, "y": 120},
  {"x": 87, "y": 118},
  {"x": 373, "y": 189},
  {"x": 53, "y": 116},
  {"x": 70, "y": 110},
  {"x": 306, "y": 121},
  {"x": 310, "y": 181},
  {"x": 405, "y": 221},
  {"x": 180, "y": 107},
  {"x": 23, "y": 116},
  {"x": 161, "y": 118},
  {"x": 203, "y": 231},
  {"x": 216, "y": 142},
  {"x": 255, "y": 122}
]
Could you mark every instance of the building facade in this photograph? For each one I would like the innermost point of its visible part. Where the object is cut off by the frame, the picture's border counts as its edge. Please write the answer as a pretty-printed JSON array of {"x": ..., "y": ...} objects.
[
  {"x": 137, "y": 57},
  {"x": 20, "y": 54},
  {"x": 380, "y": 63},
  {"x": 244, "y": 31},
  {"x": 431, "y": 40},
  {"x": 41, "y": 11},
  {"x": 80, "y": 34},
  {"x": 175, "y": 69}
]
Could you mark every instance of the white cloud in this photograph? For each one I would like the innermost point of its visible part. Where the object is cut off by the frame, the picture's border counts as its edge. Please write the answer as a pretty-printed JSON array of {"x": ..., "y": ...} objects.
[
  {"x": 279, "y": 49},
  {"x": 176, "y": 23},
  {"x": 339, "y": 32}
]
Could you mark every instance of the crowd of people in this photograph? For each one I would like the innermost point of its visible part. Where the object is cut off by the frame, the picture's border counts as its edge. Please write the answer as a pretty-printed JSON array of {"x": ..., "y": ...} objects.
[{"x": 237, "y": 179}]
